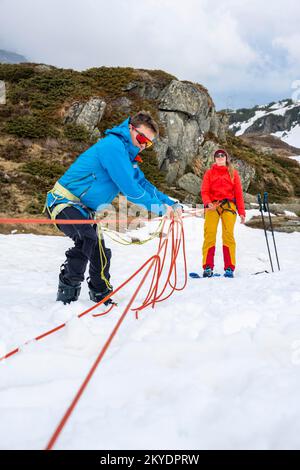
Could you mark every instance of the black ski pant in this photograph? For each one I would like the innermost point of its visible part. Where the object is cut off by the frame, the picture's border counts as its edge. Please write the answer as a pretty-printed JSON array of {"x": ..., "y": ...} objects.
[{"x": 86, "y": 248}]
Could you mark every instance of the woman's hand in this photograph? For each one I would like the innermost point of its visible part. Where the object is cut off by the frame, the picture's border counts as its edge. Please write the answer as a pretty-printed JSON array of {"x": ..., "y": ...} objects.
[{"x": 243, "y": 219}]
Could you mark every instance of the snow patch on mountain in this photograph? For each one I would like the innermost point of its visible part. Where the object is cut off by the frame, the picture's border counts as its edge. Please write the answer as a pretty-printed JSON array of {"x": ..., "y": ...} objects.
[
  {"x": 290, "y": 135},
  {"x": 244, "y": 125}
]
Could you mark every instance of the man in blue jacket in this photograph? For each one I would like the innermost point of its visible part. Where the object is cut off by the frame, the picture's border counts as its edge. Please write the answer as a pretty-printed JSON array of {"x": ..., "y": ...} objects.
[{"x": 100, "y": 173}]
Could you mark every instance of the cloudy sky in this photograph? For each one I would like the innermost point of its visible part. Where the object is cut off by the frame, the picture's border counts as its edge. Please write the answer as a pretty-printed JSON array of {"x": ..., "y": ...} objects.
[{"x": 245, "y": 52}]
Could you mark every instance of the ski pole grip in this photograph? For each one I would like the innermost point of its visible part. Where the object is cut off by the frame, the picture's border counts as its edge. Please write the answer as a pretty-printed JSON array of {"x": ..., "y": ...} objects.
[
  {"x": 266, "y": 201},
  {"x": 259, "y": 201}
]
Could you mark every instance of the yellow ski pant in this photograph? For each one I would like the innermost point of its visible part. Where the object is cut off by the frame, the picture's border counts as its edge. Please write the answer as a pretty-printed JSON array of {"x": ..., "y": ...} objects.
[{"x": 228, "y": 219}]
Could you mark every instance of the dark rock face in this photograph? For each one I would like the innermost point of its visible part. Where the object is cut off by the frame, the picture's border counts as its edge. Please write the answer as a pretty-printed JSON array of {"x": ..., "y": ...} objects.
[
  {"x": 272, "y": 123},
  {"x": 274, "y": 117}
]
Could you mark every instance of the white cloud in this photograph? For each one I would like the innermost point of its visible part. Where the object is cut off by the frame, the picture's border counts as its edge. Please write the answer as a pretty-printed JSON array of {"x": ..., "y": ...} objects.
[
  {"x": 228, "y": 45},
  {"x": 291, "y": 44}
]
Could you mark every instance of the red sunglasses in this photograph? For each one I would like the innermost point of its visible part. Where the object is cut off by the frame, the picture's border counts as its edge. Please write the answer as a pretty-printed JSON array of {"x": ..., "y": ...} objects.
[{"x": 142, "y": 139}]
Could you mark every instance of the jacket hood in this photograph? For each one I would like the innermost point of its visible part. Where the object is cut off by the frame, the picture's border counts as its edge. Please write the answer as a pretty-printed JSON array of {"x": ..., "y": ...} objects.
[{"x": 122, "y": 131}]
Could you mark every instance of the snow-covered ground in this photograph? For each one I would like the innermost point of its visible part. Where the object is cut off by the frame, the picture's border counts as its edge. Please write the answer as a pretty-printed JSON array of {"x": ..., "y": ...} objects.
[
  {"x": 291, "y": 137},
  {"x": 297, "y": 158},
  {"x": 216, "y": 366}
]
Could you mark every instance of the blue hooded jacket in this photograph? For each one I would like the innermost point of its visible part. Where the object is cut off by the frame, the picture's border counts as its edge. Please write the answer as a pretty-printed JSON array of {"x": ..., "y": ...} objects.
[{"x": 107, "y": 169}]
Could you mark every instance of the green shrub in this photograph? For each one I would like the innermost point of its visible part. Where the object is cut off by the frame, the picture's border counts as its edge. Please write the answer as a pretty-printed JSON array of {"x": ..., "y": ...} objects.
[
  {"x": 6, "y": 111},
  {"x": 274, "y": 174},
  {"x": 15, "y": 72},
  {"x": 111, "y": 80},
  {"x": 13, "y": 151},
  {"x": 36, "y": 205},
  {"x": 42, "y": 90},
  {"x": 48, "y": 170},
  {"x": 76, "y": 132},
  {"x": 30, "y": 127},
  {"x": 286, "y": 162},
  {"x": 150, "y": 168}
]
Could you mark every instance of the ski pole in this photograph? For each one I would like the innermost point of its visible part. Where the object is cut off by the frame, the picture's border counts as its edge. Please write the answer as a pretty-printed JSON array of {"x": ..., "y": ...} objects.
[
  {"x": 267, "y": 209},
  {"x": 264, "y": 227}
]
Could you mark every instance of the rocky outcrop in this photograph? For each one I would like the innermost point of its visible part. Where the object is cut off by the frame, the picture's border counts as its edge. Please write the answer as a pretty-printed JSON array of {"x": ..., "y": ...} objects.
[
  {"x": 193, "y": 130},
  {"x": 190, "y": 183},
  {"x": 123, "y": 104},
  {"x": 188, "y": 115},
  {"x": 281, "y": 223},
  {"x": 2, "y": 93},
  {"x": 86, "y": 114},
  {"x": 148, "y": 86},
  {"x": 246, "y": 172}
]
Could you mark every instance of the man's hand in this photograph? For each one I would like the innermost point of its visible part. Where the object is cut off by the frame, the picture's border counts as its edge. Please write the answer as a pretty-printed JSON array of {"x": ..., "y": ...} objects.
[
  {"x": 177, "y": 209},
  {"x": 174, "y": 212},
  {"x": 243, "y": 219}
]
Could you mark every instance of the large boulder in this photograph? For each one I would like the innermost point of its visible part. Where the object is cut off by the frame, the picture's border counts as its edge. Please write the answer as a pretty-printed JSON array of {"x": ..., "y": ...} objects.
[
  {"x": 179, "y": 146},
  {"x": 206, "y": 153},
  {"x": 146, "y": 85},
  {"x": 122, "y": 104},
  {"x": 190, "y": 183},
  {"x": 86, "y": 114},
  {"x": 246, "y": 172},
  {"x": 188, "y": 114},
  {"x": 190, "y": 99}
]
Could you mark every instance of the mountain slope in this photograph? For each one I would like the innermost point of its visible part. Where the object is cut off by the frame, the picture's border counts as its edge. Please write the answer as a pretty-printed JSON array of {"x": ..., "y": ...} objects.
[
  {"x": 42, "y": 132},
  {"x": 280, "y": 119}
]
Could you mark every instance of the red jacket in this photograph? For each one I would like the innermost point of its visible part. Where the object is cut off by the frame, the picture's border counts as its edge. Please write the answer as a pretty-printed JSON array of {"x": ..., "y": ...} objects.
[{"x": 217, "y": 185}]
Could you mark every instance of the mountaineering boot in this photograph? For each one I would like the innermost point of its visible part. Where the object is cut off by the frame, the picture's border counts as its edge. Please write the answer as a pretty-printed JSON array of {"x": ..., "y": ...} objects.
[
  {"x": 228, "y": 272},
  {"x": 67, "y": 292},
  {"x": 208, "y": 272},
  {"x": 97, "y": 296}
]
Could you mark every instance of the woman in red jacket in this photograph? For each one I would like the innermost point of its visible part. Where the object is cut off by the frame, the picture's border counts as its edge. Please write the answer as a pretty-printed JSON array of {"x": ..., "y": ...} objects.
[{"x": 222, "y": 196}]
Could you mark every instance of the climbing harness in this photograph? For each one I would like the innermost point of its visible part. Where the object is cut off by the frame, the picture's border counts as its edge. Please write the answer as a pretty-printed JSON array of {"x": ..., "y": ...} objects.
[{"x": 225, "y": 206}]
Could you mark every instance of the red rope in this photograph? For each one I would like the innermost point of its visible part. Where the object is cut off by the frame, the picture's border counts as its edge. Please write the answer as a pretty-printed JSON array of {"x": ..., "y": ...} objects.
[
  {"x": 176, "y": 234},
  {"x": 59, "y": 327},
  {"x": 155, "y": 259},
  {"x": 18, "y": 221},
  {"x": 96, "y": 363},
  {"x": 96, "y": 315},
  {"x": 176, "y": 243}
]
